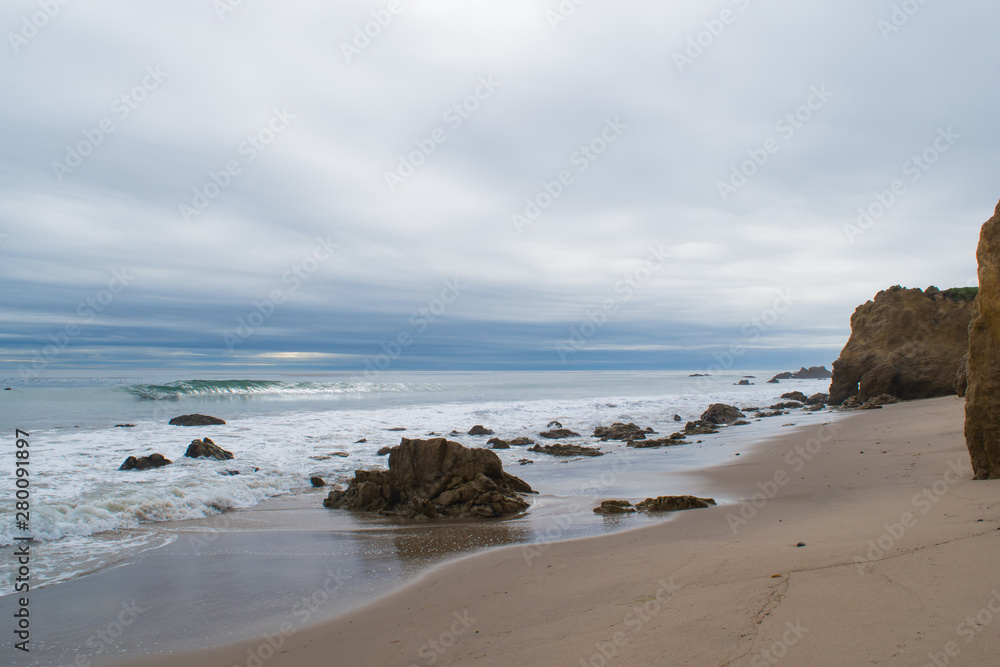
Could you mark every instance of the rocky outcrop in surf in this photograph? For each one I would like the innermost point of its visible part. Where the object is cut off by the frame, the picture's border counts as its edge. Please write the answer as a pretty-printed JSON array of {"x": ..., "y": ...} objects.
[
  {"x": 207, "y": 449},
  {"x": 145, "y": 462},
  {"x": 433, "y": 479},
  {"x": 905, "y": 342},
  {"x": 196, "y": 420}
]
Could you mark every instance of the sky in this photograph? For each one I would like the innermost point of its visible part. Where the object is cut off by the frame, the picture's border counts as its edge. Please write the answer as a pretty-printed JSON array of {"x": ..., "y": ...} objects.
[{"x": 464, "y": 185}]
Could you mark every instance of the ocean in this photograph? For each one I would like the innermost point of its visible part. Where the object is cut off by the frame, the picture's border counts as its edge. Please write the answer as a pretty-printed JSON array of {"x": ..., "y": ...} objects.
[{"x": 87, "y": 517}]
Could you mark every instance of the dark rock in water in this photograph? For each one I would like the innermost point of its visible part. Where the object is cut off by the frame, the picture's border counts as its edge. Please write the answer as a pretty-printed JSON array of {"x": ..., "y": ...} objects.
[
  {"x": 553, "y": 424},
  {"x": 145, "y": 462},
  {"x": 342, "y": 455},
  {"x": 675, "y": 439},
  {"x": 780, "y": 376},
  {"x": 559, "y": 433},
  {"x": 124, "y": 425},
  {"x": 719, "y": 413},
  {"x": 362, "y": 440},
  {"x": 396, "y": 428},
  {"x": 611, "y": 507},
  {"x": 796, "y": 396},
  {"x": 207, "y": 449},
  {"x": 455, "y": 433},
  {"x": 700, "y": 428},
  {"x": 678, "y": 418},
  {"x": 818, "y": 399},
  {"x": 560, "y": 449},
  {"x": 674, "y": 503},
  {"x": 524, "y": 462},
  {"x": 8, "y": 389},
  {"x": 772, "y": 413},
  {"x": 785, "y": 406},
  {"x": 773, "y": 381},
  {"x": 384, "y": 451},
  {"x": 497, "y": 443},
  {"x": 904, "y": 342},
  {"x": 744, "y": 383},
  {"x": 741, "y": 422},
  {"x": 435, "y": 478},
  {"x": 480, "y": 430},
  {"x": 619, "y": 431},
  {"x": 229, "y": 473},
  {"x": 196, "y": 420},
  {"x": 813, "y": 373},
  {"x": 699, "y": 375},
  {"x": 814, "y": 408},
  {"x": 317, "y": 482}
]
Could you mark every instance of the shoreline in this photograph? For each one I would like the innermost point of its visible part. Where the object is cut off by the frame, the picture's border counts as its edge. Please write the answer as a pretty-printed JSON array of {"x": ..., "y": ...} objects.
[{"x": 703, "y": 580}]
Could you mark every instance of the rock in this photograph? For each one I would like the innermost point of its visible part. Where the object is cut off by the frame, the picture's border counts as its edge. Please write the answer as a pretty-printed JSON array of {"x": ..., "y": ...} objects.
[
  {"x": 677, "y": 418},
  {"x": 814, "y": 408},
  {"x": 796, "y": 396},
  {"x": 524, "y": 462},
  {"x": 812, "y": 373},
  {"x": 779, "y": 377},
  {"x": 8, "y": 389},
  {"x": 674, "y": 503},
  {"x": 207, "y": 449},
  {"x": 852, "y": 402},
  {"x": 480, "y": 430},
  {"x": 560, "y": 449},
  {"x": 384, "y": 451},
  {"x": 675, "y": 439},
  {"x": 497, "y": 443},
  {"x": 559, "y": 433},
  {"x": 700, "y": 428},
  {"x": 785, "y": 406},
  {"x": 699, "y": 375},
  {"x": 741, "y": 422},
  {"x": 773, "y": 413},
  {"x": 195, "y": 420},
  {"x": 145, "y": 462},
  {"x": 982, "y": 398},
  {"x": 743, "y": 383},
  {"x": 396, "y": 429},
  {"x": 317, "y": 482},
  {"x": 229, "y": 473},
  {"x": 818, "y": 399},
  {"x": 877, "y": 402},
  {"x": 362, "y": 440},
  {"x": 619, "y": 431},
  {"x": 610, "y": 507},
  {"x": 124, "y": 425},
  {"x": 507, "y": 444},
  {"x": 962, "y": 376},
  {"x": 435, "y": 478},
  {"x": 719, "y": 413},
  {"x": 905, "y": 342},
  {"x": 553, "y": 424}
]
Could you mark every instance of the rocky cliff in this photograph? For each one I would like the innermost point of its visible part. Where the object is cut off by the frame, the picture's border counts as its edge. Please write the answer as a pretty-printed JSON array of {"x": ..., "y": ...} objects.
[
  {"x": 982, "y": 401},
  {"x": 906, "y": 342}
]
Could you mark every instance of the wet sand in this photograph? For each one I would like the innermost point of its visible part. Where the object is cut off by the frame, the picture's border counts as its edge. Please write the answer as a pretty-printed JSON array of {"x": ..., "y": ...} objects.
[{"x": 895, "y": 568}]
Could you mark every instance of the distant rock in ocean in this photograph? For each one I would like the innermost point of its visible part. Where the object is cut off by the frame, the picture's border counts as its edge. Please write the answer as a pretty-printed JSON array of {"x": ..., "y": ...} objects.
[
  {"x": 196, "y": 420},
  {"x": 432, "y": 479},
  {"x": 145, "y": 462},
  {"x": 906, "y": 342},
  {"x": 812, "y": 373},
  {"x": 982, "y": 399}
]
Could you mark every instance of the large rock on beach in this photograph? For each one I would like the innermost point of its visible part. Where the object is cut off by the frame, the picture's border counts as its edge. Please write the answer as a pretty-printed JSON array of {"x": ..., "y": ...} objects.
[
  {"x": 720, "y": 413},
  {"x": 905, "y": 342},
  {"x": 195, "y": 420},
  {"x": 433, "y": 479},
  {"x": 982, "y": 399},
  {"x": 145, "y": 462},
  {"x": 205, "y": 448},
  {"x": 674, "y": 503},
  {"x": 623, "y": 432}
]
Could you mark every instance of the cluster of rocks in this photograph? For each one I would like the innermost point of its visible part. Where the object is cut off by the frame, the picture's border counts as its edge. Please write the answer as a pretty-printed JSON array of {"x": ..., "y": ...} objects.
[
  {"x": 874, "y": 403},
  {"x": 660, "y": 504},
  {"x": 497, "y": 443},
  {"x": 562, "y": 449},
  {"x": 432, "y": 479},
  {"x": 202, "y": 448},
  {"x": 813, "y": 373},
  {"x": 622, "y": 432}
]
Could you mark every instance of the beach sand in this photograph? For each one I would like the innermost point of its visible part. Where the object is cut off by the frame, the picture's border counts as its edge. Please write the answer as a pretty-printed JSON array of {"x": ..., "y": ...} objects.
[{"x": 895, "y": 569}]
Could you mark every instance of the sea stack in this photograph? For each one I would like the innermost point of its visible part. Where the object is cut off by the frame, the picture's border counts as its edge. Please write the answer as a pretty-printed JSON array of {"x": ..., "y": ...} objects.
[{"x": 982, "y": 400}]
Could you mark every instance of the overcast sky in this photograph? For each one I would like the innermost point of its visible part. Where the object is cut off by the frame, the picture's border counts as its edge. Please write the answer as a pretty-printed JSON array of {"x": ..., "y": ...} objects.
[{"x": 698, "y": 168}]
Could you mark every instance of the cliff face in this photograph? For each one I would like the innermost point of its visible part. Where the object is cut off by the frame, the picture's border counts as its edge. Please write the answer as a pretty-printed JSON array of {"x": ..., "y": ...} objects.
[
  {"x": 982, "y": 401},
  {"x": 906, "y": 342}
]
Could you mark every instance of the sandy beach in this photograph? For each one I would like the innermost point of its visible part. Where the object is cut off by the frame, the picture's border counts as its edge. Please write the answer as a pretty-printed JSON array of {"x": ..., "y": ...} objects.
[{"x": 893, "y": 529}]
